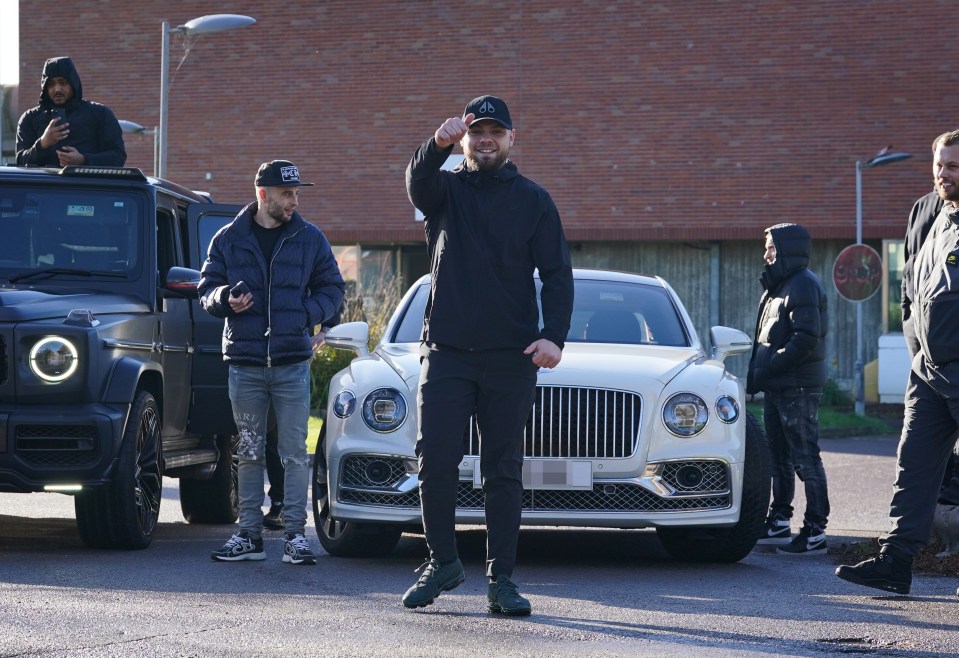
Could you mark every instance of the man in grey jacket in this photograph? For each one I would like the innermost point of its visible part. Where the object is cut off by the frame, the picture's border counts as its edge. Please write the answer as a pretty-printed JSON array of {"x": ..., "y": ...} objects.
[{"x": 932, "y": 395}]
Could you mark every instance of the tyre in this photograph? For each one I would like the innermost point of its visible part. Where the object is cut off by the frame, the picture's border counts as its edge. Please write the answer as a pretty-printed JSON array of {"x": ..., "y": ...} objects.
[
  {"x": 215, "y": 500},
  {"x": 124, "y": 513},
  {"x": 735, "y": 543},
  {"x": 345, "y": 538}
]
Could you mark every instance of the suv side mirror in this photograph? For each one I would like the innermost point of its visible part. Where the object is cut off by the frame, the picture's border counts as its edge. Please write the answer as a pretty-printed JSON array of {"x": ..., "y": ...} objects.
[{"x": 182, "y": 282}]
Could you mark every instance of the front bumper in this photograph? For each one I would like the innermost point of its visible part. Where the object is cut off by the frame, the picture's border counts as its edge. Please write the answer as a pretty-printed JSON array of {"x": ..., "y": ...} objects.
[
  {"x": 377, "y": 488},
  {"x": 49, "y": 446}
]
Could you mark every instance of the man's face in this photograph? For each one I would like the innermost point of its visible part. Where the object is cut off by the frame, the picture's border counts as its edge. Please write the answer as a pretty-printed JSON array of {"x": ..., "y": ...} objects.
[
  {"x": 281, "y": 202},
  {"x": 770, "y": 255},
  {"x": 59, "y": 90},
  {"x": 945, "y": 172},
  {"x": 486, "y": 145}
]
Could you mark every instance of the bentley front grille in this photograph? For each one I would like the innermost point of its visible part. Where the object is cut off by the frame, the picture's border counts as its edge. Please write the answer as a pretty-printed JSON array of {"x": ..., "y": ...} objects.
[{"x": 570, "y": 422}]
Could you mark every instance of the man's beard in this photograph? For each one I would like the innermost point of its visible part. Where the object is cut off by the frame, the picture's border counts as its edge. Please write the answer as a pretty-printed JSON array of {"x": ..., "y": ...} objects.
[
  {"x": 487, "y": 165},
  {"x": 275, "y": 211},
  {"x": 953, "y": 195}
]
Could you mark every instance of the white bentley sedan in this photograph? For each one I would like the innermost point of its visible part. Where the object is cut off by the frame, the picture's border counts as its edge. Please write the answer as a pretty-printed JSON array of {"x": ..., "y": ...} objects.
[{"x": 639, "y": 426}]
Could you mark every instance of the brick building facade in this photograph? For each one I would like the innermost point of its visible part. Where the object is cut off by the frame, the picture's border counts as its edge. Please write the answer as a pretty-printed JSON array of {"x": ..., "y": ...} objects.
[{"x": 670, "y": 134}]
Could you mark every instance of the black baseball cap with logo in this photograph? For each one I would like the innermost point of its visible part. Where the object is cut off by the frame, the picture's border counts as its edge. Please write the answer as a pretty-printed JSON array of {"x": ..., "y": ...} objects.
[
  {"x": 278, "y": 173},
  {"x": 489, "y": 107}
]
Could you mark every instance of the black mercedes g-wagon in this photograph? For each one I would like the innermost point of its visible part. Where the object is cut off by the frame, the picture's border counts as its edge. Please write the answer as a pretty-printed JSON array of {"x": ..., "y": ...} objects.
[{"x": 111, "y": 375}]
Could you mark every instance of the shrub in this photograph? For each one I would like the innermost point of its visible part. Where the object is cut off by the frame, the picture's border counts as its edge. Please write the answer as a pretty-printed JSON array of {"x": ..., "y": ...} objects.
[
  {"x": 373, "y": 304},
  {"x": 833, "y": 396}
]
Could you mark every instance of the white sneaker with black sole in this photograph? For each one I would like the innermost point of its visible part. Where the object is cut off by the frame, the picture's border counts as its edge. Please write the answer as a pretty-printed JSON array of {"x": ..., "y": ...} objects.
[
  {"x": 776, "y": 531},
  {"x": 809, "y": 541}
]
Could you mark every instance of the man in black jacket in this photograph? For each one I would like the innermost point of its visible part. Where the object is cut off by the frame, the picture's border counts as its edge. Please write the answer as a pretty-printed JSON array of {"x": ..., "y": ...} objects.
[
  {"x": 291, "y": 284},
  {"x": 932, "y": 395},
  {"x": 788, "y": 365},
  {"x": 487, "y": 229},
  {"x": 64, "y": 129}
]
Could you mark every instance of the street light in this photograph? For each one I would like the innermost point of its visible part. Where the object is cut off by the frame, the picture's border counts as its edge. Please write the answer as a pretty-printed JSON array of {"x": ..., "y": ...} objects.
[
  {"x": 197, "y": 26},
  {"x": 136, "y": 129},
  {"x": 882, "y": 158}
]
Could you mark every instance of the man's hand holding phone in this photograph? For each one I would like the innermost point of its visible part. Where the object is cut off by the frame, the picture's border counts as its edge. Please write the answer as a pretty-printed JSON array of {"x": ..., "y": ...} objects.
[
  {"x": 240, "y": 297},
  {"x": 57, "y": 130}
]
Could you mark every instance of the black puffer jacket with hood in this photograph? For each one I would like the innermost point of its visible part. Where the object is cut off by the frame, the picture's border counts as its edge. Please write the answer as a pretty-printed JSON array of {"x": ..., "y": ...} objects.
[
  {"x": 789, "y": 350},
  {"x": 94, "y": 130}
]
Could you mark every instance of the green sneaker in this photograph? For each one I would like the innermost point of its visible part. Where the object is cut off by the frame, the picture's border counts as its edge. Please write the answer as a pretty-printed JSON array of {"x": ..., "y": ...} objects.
[
  {"x": 436, "y": 579},
  {"x": 504, "y": 598}
]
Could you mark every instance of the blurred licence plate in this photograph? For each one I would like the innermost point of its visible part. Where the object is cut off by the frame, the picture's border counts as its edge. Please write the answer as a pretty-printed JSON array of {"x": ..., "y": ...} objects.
[{"x": 549, "y": 474}]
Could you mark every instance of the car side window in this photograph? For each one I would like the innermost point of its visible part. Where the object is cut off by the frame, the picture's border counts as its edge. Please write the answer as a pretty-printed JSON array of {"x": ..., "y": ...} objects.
[{"x": 410, "y": 327}]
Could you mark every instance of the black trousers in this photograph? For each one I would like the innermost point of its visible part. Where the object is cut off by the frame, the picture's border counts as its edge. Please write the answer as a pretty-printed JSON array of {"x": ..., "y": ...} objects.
[
  {"x": 498, "y": 386},
  {"x": 928, "y": 438}
]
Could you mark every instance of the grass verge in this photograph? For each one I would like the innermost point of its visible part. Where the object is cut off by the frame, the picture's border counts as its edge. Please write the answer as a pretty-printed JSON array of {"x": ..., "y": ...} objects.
[
  {"x": 312, "y": 434},
  {"x": 838, "y": 420}
]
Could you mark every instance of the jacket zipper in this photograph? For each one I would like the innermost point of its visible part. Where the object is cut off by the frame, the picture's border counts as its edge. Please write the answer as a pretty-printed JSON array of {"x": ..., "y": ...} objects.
[{"x": 269, "y": 301}]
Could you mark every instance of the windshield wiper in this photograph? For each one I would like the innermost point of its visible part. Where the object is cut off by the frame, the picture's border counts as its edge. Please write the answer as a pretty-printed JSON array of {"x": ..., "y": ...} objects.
[{"x": 54, "y": 271}]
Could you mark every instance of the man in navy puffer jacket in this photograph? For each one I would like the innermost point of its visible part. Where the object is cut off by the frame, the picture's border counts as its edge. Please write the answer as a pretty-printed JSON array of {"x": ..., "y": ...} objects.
[{"x": 291, "y": 284}]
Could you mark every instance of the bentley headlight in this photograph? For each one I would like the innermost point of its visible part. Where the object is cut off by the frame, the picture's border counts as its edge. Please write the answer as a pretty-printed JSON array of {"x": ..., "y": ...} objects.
[
  {"x": 384, "y": 409},
  {"x": 344, "y": 404},
  {"x": 54, "y": 359},
  {"x": 727, "y": 409},
  {"x": 685, "y": 414}
]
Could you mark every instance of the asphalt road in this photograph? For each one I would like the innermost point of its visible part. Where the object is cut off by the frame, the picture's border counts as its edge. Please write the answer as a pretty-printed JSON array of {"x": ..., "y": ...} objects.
[{"x": 594, "y": 593}]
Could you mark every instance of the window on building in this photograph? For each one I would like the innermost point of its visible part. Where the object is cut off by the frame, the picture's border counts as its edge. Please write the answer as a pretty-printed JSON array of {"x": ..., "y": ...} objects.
[{"x": 892, "y": 263}]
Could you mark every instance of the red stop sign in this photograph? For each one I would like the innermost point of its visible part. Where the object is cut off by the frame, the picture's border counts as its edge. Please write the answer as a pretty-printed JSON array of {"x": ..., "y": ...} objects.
[{"x": 857, "y": 273}]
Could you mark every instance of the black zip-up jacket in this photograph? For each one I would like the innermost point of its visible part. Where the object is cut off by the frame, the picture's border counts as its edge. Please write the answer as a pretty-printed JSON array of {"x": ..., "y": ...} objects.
[
  {"x": 486, "y": 233},
  {"x": 789, "y": 351},
  {"x": 94, "y": 130},
  {"x": 305, "y": 290}
]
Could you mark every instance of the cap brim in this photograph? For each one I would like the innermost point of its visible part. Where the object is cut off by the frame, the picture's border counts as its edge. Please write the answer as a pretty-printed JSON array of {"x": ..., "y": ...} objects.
[{"x": 475, "y": 121}]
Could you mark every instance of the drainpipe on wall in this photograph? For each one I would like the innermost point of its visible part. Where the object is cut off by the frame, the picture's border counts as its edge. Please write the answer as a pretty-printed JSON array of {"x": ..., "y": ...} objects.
[{"x": 714, "y": 284}]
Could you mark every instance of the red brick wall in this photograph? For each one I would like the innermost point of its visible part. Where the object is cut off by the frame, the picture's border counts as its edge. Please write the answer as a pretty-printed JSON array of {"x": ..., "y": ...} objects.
[{"x": 664, "y": 120}]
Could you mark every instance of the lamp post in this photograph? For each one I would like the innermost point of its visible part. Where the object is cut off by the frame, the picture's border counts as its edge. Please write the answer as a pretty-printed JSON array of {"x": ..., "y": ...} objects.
[
  {"x": 884, "y": 157},
  {"x": 197, "y": 26},
  {"x": 136, "y": 129}
]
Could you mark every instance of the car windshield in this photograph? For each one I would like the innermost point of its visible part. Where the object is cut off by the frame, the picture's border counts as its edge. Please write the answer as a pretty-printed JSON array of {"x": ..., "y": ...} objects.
[
  {"x": 68, "y": 232},
  {"x": 603, "y": 312}
]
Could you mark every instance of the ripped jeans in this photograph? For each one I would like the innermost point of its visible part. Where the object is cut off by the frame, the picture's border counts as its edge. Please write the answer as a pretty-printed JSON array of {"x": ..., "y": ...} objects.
[
  {"x": 792, "y": 429},
  {"x": 252, "y": 390}
]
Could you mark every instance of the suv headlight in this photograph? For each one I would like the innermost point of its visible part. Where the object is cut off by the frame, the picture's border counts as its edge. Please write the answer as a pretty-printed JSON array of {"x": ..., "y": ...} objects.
[
  {"x": 54, "y": 359},
  {"x": 685, "y": 414},
  {"x": 384, "y": 409}
]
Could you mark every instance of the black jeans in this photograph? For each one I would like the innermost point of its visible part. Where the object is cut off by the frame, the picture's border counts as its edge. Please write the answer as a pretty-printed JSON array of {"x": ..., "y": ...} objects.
[
  {"x": 498, "y": 386},
  {"x": 928, "y": 437},
  {"x": 792, "y": 428}
]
